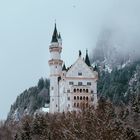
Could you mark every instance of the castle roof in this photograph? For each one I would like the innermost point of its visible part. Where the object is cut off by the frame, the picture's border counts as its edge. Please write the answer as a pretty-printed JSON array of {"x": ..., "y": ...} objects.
[
  {"x": 80, "y": 66},
  {"x": 87, "y": 61},
  {"x": 55, "y": 35},
  {"x": 59, "y": 36},
  {"x": 64, "y": 67}
]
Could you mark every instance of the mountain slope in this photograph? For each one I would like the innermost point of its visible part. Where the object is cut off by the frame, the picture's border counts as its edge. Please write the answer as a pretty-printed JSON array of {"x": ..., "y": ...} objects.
[{"x": 31, "y": 100}]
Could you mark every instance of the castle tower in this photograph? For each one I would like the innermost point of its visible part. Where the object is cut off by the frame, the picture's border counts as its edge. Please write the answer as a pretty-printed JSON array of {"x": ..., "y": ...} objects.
[{"x": 55, "y": 64}]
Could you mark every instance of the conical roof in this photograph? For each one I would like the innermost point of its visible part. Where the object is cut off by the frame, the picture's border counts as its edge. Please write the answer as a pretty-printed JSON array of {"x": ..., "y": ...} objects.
[
  {"x": 87, "y": 61},
  {"x": 64, "y": 67},
  {"x": 55, "y": 35}
]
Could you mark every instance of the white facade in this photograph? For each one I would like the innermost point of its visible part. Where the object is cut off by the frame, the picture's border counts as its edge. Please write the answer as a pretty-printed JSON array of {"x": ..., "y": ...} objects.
[{"x": 72, "y": 88}]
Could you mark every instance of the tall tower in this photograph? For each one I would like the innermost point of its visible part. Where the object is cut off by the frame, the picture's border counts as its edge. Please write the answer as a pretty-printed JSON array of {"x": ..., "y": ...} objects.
[{"x": 55, "y": 64}]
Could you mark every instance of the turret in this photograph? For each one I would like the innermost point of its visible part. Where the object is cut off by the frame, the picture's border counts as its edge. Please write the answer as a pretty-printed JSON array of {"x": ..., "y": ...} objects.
[{"x": 55, "y": 64}]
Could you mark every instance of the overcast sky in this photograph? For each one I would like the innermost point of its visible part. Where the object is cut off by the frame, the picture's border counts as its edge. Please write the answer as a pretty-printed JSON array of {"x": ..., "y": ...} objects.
[{"x": 26, "y": 28}]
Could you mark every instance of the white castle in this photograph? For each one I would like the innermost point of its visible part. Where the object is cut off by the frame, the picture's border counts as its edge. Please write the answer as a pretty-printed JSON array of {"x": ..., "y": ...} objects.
[{"x": 70, "y": 88}]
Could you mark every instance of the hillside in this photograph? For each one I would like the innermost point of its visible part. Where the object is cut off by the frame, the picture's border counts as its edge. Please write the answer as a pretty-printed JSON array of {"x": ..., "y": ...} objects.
[{"x": 30, "y": 101}]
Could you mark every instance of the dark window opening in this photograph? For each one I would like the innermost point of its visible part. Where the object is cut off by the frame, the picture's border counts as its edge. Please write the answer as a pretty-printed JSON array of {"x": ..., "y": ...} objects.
[
  {"x": 79, "y": 83},
  {"x": 84, "y": 98},
  {"x": 77, "y": 104},
  {"x": 89, "y": 83},
  {"x": 70, "y": 83},
  {"x": 80, "y": 73}
]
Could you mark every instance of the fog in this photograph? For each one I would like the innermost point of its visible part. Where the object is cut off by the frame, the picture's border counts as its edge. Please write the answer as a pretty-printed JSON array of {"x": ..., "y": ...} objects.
[{"x": 121, "y": 29}]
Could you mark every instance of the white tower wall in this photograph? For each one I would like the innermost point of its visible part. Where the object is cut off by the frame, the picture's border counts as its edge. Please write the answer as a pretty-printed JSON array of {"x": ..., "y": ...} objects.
[{"x": 55, "y": 64}]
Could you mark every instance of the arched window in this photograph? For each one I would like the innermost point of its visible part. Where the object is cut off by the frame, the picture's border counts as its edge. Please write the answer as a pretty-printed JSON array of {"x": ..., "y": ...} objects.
[
  {"x": 77, "y": 104},
  {"x": 86, "y": 90},
  {"x": 87, "y": 98},
  {"x": 80, "y": 97},
  {"x": 77, "y": 97},
  {"x": 77, "y": 90},
  {"x": 74, "y": 104},
  {"x": 74, "y": 97},
  {"x": 84, "y": 98},
  {"x": 80, "y": 90},
  {"x": 74, "y": 90}
]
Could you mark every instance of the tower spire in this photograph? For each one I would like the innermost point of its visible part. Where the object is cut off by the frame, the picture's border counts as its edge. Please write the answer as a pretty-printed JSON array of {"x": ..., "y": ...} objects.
[
  {"x": 59, "y": 36},
  {"x": 87, "y": 61},
  {"x": 55, "y": 34},
  {"x": 64, "y": 67}
]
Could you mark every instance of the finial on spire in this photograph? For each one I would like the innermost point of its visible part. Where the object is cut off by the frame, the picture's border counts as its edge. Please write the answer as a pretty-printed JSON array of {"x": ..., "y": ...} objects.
[
  {"x": 86, "y": 51},
  {"x": 80, "y": 53}
]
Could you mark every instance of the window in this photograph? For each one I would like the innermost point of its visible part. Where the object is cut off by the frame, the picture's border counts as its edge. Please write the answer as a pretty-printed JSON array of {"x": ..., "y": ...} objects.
[
  {"x": 89, "y": 83},
  {"x": 77, "y": 97},
  {"x": 74, "y": 90},
  {"x": 80, "y": 83},
  {"x": 91, "y": 91},
  {"x": 80, "y": 90},
  {"x": 77, "y": 104},
  {"x": 70, "y": 83},
  {"x": 74, "y": 104},
  {"x": 68, "y": 98},
  {"x": 79, "y": 73},
  {"x": 87, "y": 98},
  {"x": 86, "y": 90},
  {"x": 80, "y": 97},
  {"x": 74, "y": 97}
]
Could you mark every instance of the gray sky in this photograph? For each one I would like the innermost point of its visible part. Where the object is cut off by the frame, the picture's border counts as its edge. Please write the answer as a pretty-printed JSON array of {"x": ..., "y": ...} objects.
[{"x": 26, "y": 27}]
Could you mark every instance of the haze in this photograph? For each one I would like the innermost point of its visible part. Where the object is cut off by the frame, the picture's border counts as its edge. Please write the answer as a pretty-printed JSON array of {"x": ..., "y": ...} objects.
[{"x": 26, "y": 28}]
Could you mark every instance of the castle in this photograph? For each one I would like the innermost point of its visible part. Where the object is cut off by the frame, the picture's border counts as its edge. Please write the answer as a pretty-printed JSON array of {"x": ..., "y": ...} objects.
[{"x": 70, "y": 88}]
